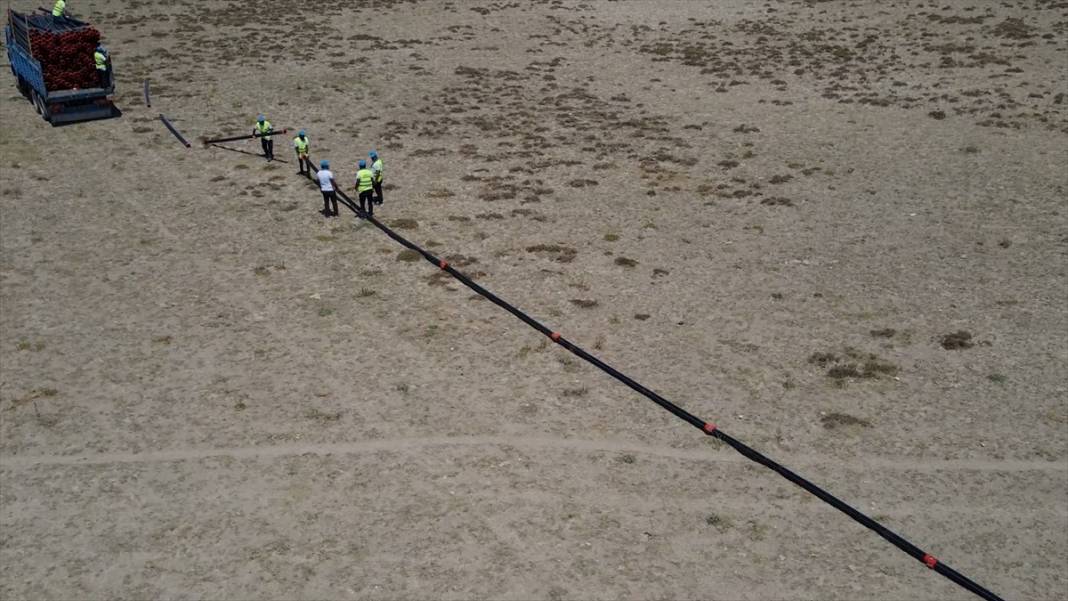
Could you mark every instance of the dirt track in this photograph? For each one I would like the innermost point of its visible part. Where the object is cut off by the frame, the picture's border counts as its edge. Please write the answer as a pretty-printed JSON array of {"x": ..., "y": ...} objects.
[{"x": 773, "y": 213}]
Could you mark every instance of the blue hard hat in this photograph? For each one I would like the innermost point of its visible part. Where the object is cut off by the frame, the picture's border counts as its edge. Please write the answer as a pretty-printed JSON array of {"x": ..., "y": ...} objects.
[
  {"x": 373, "y": 154},
  {"x": 261, "y": 118},
  {"x": 301, "y": 134},
  {"x": 363, "y": 163},
  {"x": 324, "y": 164}
]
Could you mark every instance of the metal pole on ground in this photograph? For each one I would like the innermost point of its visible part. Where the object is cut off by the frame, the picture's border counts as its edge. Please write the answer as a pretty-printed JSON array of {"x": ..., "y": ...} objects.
[
  {"x": 274, "y": 132},
  {"x": 173, "y": 130}
]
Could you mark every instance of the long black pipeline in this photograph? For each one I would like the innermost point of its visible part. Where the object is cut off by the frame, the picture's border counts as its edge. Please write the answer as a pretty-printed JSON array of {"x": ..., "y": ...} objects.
[{"x": 708, "y": 428}]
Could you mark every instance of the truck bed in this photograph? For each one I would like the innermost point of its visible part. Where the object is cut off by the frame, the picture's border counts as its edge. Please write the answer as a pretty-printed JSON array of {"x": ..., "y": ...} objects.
[
  {"x": 65, "y": 105},
  {"x": 21, "y": 26}
]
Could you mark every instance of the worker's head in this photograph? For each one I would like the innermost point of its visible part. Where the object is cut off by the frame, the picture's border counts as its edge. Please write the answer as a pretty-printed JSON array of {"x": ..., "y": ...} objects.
[
  {"x": 301, "y": 134},
  {"x": 373, "y": 154},
  {"x": 324, "y": 164},
  {"x": 363, "y": 164},
  {"x": 261, "y": 119}
]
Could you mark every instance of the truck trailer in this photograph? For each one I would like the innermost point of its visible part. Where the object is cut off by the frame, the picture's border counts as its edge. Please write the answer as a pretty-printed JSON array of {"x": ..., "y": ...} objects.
[{"x": 63, "y": 103}]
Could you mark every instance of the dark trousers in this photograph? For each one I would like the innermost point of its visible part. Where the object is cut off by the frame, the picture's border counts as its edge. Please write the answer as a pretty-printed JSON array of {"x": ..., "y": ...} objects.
[
  {"x": 102, "y": 77},
  {"x": 367, "y": 198},
  {"x": 268, "y": 147},
  {"x": 303, "y": 164},
  {"x": 378, "y": 191},
  {"x": 329, "y": 203}
]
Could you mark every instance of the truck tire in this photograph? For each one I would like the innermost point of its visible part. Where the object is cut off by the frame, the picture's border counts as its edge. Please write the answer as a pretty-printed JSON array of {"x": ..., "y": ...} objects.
[{"x": 42, "y": 108}]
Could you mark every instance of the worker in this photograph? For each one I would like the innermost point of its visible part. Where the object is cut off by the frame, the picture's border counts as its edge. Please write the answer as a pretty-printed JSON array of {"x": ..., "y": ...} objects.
[
  {"x": 59, "y": 9},
  {"x": 376, "y": 171},
  {"x": 264, "y": 131},
  {"x": 365, "y": 188},
  {"x": 328, "y": 186},
  {"x": 100, "y": 58},
  {"x": 300, "y": 145}
]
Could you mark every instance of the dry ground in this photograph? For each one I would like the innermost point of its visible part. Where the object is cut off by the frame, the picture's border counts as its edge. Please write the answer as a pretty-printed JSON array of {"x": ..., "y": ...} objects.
[{"x": 772, "y": 212}]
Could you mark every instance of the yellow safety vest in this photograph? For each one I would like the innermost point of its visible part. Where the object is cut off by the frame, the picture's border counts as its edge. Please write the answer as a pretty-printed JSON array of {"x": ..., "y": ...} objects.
[
  {"x": 363, "y": 180},
  {"x": 376, "y": 169},
  {"x": 57, "y": 10},
  {"x": 101, "y": 61},
  {"x": 300, "y": 145},
  {"x": 263, "y": 128}
]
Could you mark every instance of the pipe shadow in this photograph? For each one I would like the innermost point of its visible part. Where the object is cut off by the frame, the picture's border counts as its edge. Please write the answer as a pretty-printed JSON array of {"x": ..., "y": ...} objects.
[{"x": 251, "y": 154}]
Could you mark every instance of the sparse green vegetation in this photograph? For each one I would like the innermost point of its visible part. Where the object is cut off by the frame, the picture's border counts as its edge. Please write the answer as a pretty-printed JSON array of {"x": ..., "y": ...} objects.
[
  {"x": 957, "y": 341},
  {"x": 408, "y": 256},
  {"x": 718, "y": 522},
  {"x": 832, "y": 421},
  {"x": 404, "y": 224}
]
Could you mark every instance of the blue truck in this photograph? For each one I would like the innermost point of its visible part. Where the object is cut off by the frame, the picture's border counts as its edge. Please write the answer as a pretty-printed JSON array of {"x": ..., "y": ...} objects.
[{"x": 55, "y": 106}]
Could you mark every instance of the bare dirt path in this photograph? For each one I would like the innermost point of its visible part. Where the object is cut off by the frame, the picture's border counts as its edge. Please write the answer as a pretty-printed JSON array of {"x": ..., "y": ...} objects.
[{"x": 531, "y": 443}]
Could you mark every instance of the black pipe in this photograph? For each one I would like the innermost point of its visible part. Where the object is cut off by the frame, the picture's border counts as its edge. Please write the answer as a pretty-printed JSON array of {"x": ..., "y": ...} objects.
[
  {"x": 148, "y": 100},
  {"x": 173, "y": 131},
  {"x": 251, "y": 154},
  {"x": 245, "y": 137}
]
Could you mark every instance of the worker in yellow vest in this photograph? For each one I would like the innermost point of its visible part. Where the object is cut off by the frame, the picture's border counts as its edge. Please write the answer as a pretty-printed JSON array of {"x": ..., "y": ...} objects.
[
  {"x": 300, "y": 145},
  {"x": 365, "y": 188},
  {"x": 59, "y": 9},
  {"x": 376, "y": 171},
  {"x": 263, "y": 131},
  {"x": 100, "y": 59}
]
